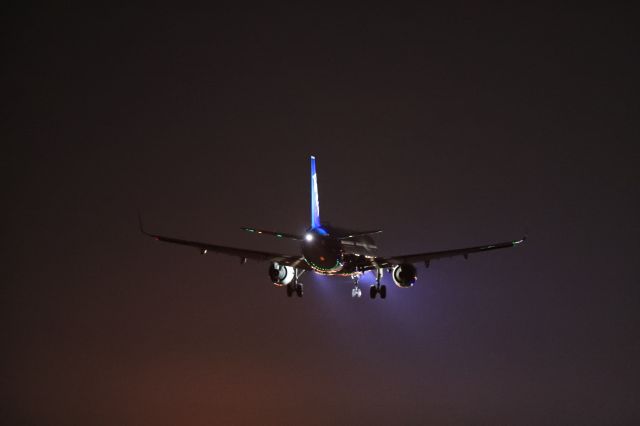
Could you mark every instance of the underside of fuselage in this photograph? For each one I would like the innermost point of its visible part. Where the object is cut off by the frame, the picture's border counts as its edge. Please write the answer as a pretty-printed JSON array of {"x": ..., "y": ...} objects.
[
  {"x": 322, "y": 252},
  {"x": 327, "y": 255}
]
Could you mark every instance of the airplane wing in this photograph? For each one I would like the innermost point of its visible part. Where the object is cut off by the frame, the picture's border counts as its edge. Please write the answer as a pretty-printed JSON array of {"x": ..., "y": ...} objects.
[
  {"x": 243, "y": 254},
  {"x": 380, "y": 262}
]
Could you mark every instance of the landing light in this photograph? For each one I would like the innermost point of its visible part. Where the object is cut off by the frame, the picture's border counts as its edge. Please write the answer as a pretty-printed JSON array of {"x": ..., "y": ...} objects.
[{"x": 308, "y": 237}]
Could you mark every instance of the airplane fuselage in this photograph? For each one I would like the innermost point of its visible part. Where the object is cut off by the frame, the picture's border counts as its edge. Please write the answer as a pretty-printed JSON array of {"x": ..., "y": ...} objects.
[{"x": 322, "y": 252}]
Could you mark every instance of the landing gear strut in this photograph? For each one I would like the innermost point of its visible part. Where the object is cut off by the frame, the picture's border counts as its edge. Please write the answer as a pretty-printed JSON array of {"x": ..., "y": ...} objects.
[
  {"x": 296, "y": 286},
  {"x": 356, "y": 292},
  {"x": 378, "y": 288}
]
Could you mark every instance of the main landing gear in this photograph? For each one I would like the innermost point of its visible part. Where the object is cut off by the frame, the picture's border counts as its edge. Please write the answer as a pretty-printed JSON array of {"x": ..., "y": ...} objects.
[
  {"x": 377, "y": 288},
  {"x": 296, "y": 286}
]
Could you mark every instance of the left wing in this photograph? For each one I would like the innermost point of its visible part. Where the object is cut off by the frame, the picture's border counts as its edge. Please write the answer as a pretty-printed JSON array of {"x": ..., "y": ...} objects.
[
  {"x": 243, "y": 254},
  {"x": 427, "y": 257}
]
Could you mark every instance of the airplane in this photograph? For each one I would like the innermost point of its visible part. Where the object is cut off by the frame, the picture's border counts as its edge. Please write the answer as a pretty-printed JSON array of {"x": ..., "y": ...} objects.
[{"x": 328, "y": 250}]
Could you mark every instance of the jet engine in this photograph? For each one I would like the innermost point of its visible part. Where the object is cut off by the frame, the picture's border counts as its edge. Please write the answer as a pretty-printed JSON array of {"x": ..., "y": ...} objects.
[
  {"x": 281, "y": 274},
  {"x": 404, "y": 275}
]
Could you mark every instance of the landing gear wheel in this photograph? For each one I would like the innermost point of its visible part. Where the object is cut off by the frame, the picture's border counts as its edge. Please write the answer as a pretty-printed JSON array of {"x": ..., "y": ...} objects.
[
  {"x": 295, "y": 286},
  {"x": 378, "y": 289},
  {"x": 356, "y": 292},
  {"x": 373, "y": 291}
]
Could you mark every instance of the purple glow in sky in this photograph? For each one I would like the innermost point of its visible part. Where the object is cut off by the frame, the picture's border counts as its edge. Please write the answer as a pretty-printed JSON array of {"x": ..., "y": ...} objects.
[{"x": 446, "y": 127}]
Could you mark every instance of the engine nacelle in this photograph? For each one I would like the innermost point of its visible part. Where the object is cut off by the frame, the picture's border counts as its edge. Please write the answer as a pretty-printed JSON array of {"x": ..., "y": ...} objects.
[
  {"x": 405, "y": 275},
  {"x": 281, "y": 274}
]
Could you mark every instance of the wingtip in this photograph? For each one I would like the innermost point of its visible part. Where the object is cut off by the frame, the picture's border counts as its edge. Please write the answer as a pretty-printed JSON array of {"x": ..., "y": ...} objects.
[
  {"x": 520, "y": 241},
  {"x": 141, "y": 225}
]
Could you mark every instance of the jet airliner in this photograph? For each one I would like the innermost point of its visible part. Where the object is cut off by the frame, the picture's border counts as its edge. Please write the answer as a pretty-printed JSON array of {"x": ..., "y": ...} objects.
[{"x": 329, "y": 250}]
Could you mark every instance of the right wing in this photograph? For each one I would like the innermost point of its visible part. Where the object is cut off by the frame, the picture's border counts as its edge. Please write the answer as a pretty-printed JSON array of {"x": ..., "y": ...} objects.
[
  {"x": 427, "y": 257},
  {"x": 370, "y": 263},
  {"x": 293, "y": 261}
]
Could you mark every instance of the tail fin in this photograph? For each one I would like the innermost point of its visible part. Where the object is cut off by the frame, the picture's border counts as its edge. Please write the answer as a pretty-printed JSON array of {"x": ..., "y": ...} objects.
[{"x": 315, "y": 203}]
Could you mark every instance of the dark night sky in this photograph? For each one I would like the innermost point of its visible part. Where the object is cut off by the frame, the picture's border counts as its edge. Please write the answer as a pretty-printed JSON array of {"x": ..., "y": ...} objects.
[{"x": 445, "y": 127}]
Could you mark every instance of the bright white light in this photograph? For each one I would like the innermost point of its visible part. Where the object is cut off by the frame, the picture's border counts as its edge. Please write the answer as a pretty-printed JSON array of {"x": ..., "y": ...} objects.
[{"x": 308, "y": 237}]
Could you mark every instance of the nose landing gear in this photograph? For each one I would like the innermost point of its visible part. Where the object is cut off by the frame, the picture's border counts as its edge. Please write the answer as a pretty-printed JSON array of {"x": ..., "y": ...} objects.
[{"x": 356, "y": 292}]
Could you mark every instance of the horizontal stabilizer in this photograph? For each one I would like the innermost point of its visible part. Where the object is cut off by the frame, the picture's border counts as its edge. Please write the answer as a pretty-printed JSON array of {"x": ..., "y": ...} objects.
[
  {"x": 359, "y": 234},
  {"x": 354, "y": 245},
  {"x": 274, "y": 233}
]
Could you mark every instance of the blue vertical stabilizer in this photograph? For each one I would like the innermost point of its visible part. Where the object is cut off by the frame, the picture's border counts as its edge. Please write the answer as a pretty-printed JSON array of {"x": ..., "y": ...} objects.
[{"x": 315, "y": 203}]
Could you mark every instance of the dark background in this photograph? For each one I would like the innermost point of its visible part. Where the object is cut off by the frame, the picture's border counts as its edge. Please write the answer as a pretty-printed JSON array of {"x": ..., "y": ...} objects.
[{"x": 445, "y": 127}]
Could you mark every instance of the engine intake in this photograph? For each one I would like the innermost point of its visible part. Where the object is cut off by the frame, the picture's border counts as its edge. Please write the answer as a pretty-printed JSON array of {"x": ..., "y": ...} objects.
[
  {"x": 405, "y": 275},
  {"x": 281, "y": 275}
]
